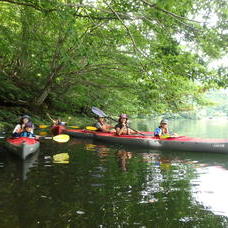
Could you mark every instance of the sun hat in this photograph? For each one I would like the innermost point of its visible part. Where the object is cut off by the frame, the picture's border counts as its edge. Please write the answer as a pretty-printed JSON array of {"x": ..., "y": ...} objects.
[
  {"x": 123, "y": 116},
  {"x": 29, "y": 124},
  {"x": 164, "y": 121},
  {"x": 25, "y": 116}
]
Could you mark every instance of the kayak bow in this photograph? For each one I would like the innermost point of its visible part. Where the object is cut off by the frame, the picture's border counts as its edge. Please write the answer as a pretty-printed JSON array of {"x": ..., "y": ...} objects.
[{"x": 22, "y": 146}]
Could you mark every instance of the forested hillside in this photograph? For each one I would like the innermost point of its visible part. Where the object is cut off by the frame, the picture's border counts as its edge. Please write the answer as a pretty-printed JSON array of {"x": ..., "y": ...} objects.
[
  {"x": 219, "y": 98},
  {"x": 134, "y": 56}
]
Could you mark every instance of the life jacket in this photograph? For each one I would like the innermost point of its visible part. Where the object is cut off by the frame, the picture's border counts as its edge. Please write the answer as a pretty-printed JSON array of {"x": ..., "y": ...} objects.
[{"x": 27, "y": 134}]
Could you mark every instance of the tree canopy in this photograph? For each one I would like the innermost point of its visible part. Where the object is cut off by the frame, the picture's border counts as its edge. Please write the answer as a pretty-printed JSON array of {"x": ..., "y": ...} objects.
[{"x": 121, "y": 55}]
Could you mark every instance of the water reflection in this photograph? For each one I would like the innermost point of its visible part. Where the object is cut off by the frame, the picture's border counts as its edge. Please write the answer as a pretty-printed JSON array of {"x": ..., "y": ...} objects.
[
  {"x": 103, "y": 151},
  {"x": 105, "y": 186},
  {"x": 123, "y": 156},
  {"x": 19, "y": 168},
  {"x": 210, "y": 189},
  {"x": 26, "y": 165}
]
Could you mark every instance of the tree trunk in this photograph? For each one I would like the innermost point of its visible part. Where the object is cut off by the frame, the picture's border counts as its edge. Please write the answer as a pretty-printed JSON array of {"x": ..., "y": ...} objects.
[
  {"x": 44, "y": 94},
  {"x": 48, "y": 87}
]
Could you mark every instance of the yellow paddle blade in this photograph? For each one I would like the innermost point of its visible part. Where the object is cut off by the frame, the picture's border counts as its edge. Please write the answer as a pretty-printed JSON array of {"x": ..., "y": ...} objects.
[
  {"x": 90, "y": 147},
  {"x": 43, "y": 133},
  {"x": 91, "y": 128},
  {"x": 61, "y": 158},
  {"x": 61, "y": 138},
  {"x": 169, "y": 136},
  {"x": 43, "y": 126},
  {"x": 164, "y": 136},
  {"x": 74, "y": 127}
]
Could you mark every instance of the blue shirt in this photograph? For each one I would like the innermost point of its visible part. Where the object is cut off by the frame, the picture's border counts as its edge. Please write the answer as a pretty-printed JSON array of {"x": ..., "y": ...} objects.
[
  {"x": 157, "y": 131},
  {"x": 27, "y": 134}
]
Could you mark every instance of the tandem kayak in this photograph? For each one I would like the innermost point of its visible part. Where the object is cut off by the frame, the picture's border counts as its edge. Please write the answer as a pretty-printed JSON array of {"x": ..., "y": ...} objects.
[
  {"x": 182, "y": 143},
  {"x": 22, "y": 146},
  {"x": 57, "y": 129}
]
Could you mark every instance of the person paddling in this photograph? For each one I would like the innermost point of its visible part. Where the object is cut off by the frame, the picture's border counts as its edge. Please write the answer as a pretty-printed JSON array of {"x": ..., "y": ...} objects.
[
  {"x": 122, "y": 128},
  {"x": 20, "y": 127},
  {"x": 102, "y": 125},
  {"x": 163, "y": 131},
  {"x": 56, "y": 122}
]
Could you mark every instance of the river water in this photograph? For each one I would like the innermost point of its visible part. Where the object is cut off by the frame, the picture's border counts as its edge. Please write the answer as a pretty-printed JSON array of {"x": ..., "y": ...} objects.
[{"x": 106, "y": 185}]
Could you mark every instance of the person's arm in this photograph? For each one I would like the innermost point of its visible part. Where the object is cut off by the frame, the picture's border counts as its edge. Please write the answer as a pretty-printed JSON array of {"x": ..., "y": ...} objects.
[
  {"x": 55, "y": 122},
  {"x": 157, "y": 132},
  {"x": 172, "y": 134},
  {"x": 129, "y": 131},
  {"x": 165, "y": 131},
  {"x": 33, "y": 128},
  {"x": 106, "y": 128},
  {"x": 109, "y": 126},
  {"x": 119, "y": 131},
  {"x": 35, "y": 136},
  {"x": 98, "y": 126},
  {"x": 49, "y": 117},
  {"x": 17, "y": 129}
]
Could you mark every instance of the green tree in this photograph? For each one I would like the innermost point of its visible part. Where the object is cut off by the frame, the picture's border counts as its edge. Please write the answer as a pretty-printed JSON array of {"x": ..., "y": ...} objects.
[{"x": 120, "y": 55}]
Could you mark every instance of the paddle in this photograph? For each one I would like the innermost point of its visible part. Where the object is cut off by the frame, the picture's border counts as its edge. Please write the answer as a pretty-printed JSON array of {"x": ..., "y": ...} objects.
[
  {"x": 100, "y": 113},
  {"x": 61, "y": 158},
  {"x": 46, "y": 126},
  {"x": 91, "y": 128},
  {"x": 58, "y": 138},
  {"x": 43, "y": 133},
  {"x": 170, "y": 136},
  {"x": 43, "y": 126},
  {"x": 76, "y": 127}
]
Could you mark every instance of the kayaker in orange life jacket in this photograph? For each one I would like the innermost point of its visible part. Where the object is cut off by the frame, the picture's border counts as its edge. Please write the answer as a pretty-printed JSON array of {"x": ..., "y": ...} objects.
[
  {"x": 20, "y": 127},
  {"x": 28, "y": 131},
  {"x": 122, "y": 128},
  {"x": 102, "y": 126}
]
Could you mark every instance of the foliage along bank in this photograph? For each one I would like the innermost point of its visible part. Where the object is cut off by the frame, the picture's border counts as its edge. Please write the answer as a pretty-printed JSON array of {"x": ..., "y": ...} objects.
[{"x": 123, "y": 56}]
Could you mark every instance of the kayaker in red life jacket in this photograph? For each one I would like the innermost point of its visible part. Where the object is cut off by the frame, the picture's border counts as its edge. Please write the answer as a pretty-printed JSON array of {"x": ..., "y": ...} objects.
[
  {"x": 28, "y": 131},
  {"x": 20, "y": 127},
  {"x": 122, "y": 128},
  {"x": 102, "y": 126}
]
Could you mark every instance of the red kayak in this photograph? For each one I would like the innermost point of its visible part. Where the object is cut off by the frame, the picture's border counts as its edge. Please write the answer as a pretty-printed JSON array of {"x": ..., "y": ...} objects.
[
  {"x": 147, "y": 140},
  {"x": 57, "y": 129},
  {"x": 22, "y": 146}
]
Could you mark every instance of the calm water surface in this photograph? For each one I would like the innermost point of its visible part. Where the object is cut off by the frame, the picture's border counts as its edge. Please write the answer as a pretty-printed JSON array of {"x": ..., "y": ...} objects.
[{"x": 115, "y": 186}]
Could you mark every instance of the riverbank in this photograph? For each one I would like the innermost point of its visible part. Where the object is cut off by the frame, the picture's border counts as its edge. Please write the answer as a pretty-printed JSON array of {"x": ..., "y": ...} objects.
[{"x": 9, "y": 117}]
